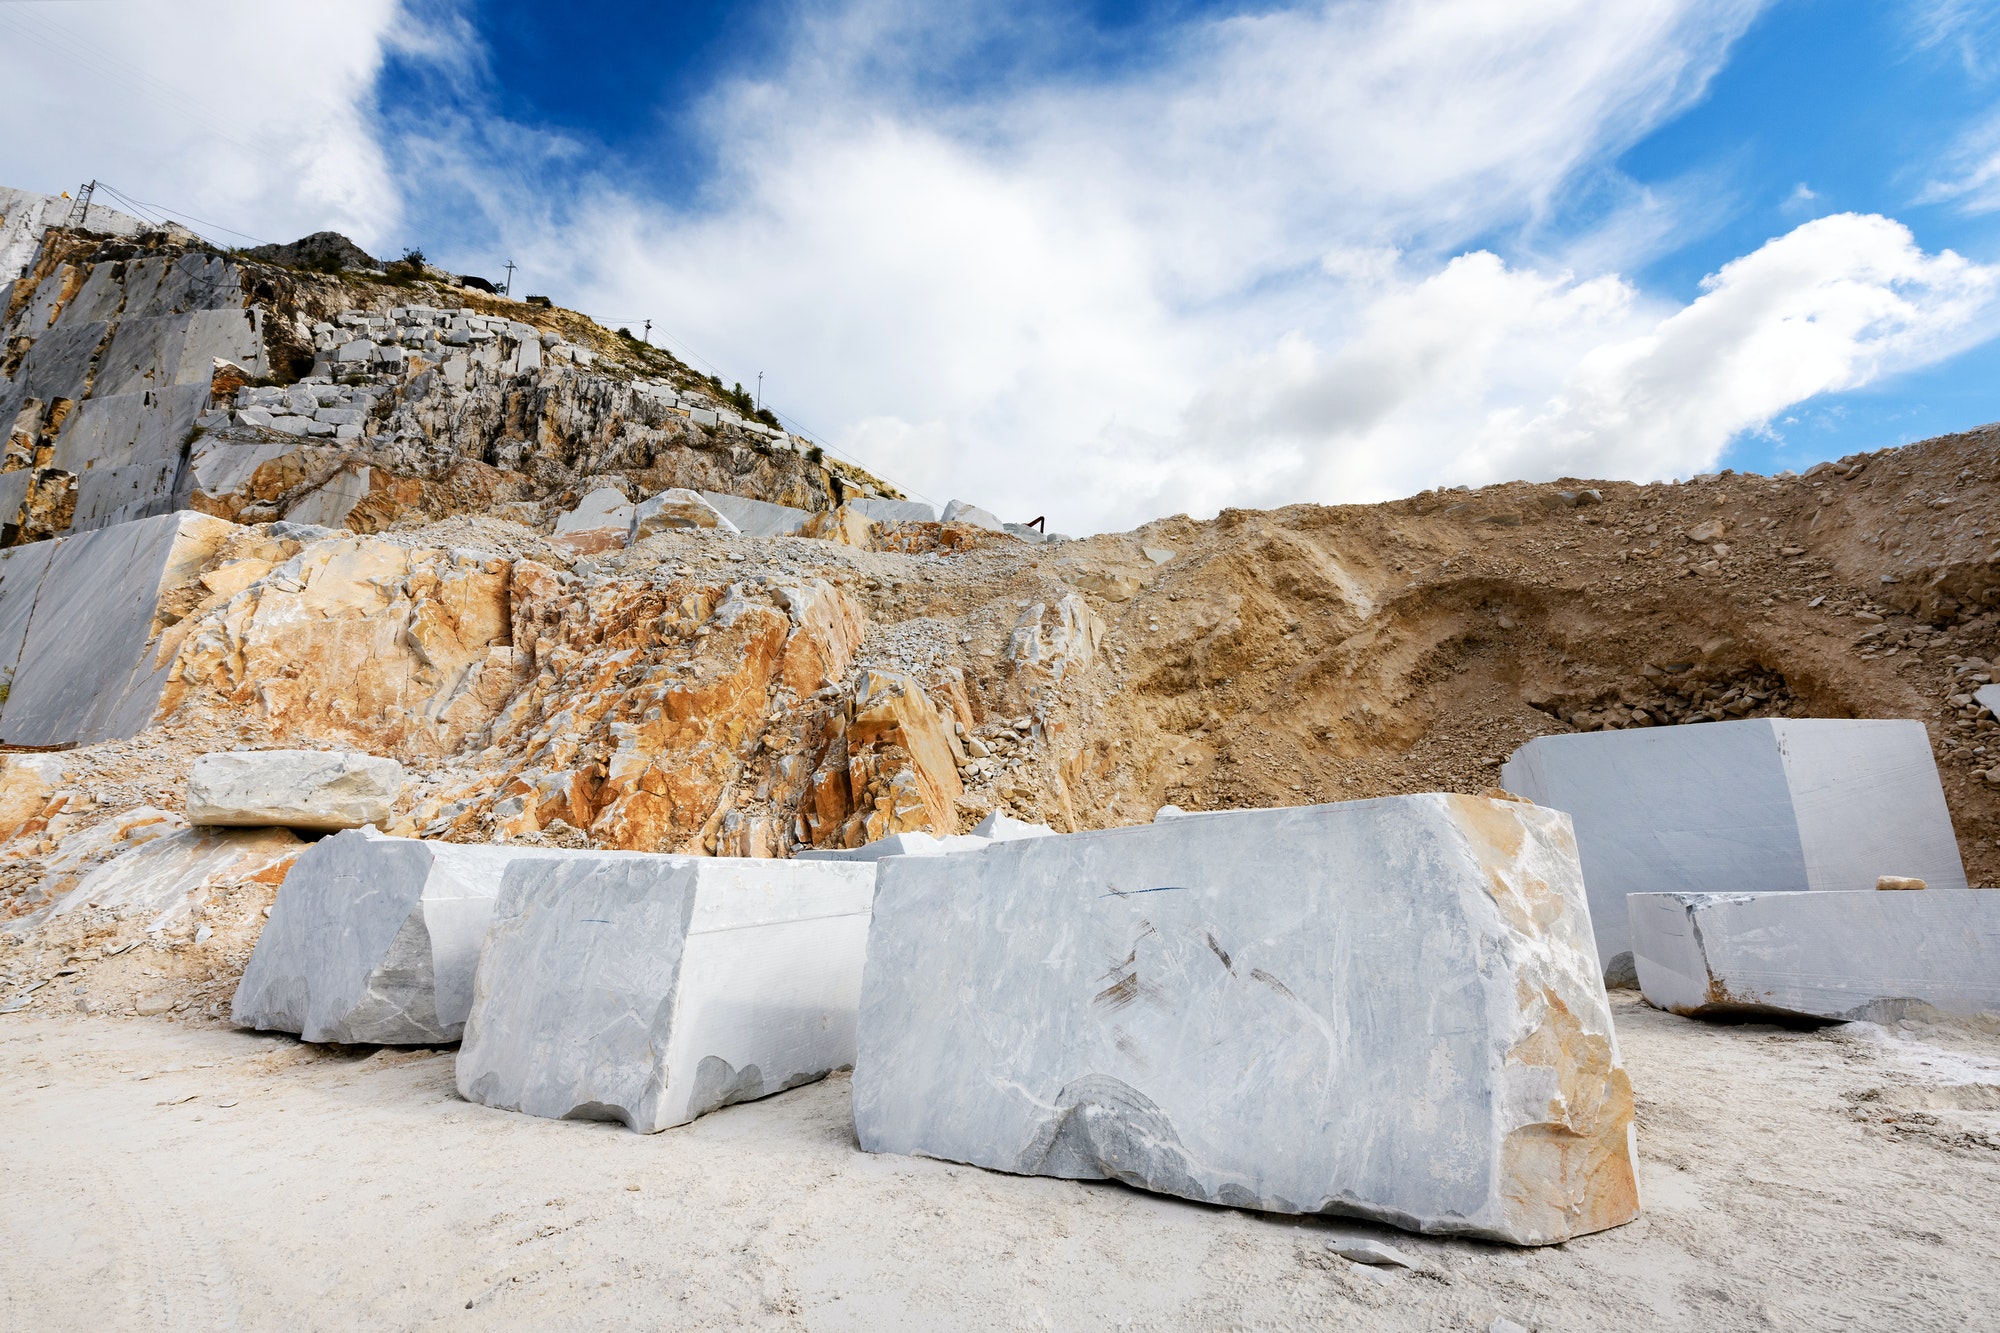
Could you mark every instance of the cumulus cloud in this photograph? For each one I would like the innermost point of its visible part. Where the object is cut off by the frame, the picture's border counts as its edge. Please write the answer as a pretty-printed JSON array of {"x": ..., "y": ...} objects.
[
  {"x": 1483, "y": 373},
  {"x": 1035, "y": 296},
  {"x": 248, "y": 115},
  {"x": 1293, "y": 254}
]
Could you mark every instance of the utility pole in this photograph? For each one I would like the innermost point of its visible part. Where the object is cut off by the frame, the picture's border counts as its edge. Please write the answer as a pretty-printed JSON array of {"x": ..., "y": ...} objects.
[
  {"x": 648, "y": 339},
  {"x": 760, "y": 391},
  {"x": 79, "y": 212},
  {"x": 508, "y": 290}
]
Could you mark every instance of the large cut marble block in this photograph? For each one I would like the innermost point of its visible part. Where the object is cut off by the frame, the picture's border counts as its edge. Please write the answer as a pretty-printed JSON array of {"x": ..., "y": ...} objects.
[
  {"x": 1847, "y": 955},
  {"x": 654, "y": 989},
  {"x": 87, "y": 611},
  {"x": 1386, "y": 1009},
  {"x": 1769, "y": 805},
  {"x": 375, "y": 939}
]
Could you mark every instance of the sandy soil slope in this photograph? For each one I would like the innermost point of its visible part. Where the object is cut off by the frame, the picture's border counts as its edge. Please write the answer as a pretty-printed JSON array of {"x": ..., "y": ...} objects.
[{"x": 162, "y": 1174}]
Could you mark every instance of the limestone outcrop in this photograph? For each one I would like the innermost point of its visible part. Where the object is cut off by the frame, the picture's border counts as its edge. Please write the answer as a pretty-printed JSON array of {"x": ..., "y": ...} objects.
[
  {"x": 1787, "y": 804},
  {"x": 374, "y": 939},
  {"x": 299, "y": 789},
  {"x": 1386, "y": 1009},
  {"x": 651, "y": 990},
  {"x": 1840, "y": 955}
]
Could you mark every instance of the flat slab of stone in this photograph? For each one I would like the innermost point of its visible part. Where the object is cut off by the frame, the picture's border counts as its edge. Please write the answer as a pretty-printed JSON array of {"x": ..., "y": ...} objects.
[
  {"x": 1849, "y": 955},
  {"x": 300, "y": 789},
  {"x": 375, "y": 939},
  {"x": 758, "y": 518},
  {"x": 893, "y": 511},
  {"x": 653, "y": 989},
  {"x": 1767, "y": 805},
  {"x": 1386, "y": 1009}
]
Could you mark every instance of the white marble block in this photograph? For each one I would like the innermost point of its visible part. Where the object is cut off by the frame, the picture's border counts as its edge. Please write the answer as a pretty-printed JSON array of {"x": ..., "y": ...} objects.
[
  {"x": 1768, "y": 805},
  {"x": 375, "y": 939},
  {"x": 1863, "y": 954},
  {"x": 654, "y": 989},
  {"x": 676, "y": 511},
  {"x": 318, "y": 790},
  {"x": 1386, "y": 1009}
]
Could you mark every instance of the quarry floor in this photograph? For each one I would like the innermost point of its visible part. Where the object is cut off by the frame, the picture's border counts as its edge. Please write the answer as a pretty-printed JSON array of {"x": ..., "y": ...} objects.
[{"x": 167, "y": 1175}]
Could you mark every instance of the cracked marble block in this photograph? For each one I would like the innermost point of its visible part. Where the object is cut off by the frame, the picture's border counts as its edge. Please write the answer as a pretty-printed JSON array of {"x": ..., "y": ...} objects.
[
  {"x": 375, "y": 939},
  {"x": 1767, "y": 805},
  {"x": 653, "y": 989},
  {"x": 1850, "y": 955},
  {"x": 1386, "y": 1009}
]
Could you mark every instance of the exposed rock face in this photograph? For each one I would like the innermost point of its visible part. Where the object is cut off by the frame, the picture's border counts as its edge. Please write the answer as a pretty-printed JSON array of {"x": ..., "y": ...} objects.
[
  {"x": 1754, "y": 806},
  {"x": 350, "y": 641},
  {"x": 166, "y": 877},
  {"x": 651, "y": 990},
  {"x": 136, "y": 378},
  {"x": 1387, "y": 1009},
  {"x": 374, "y": 939},
  {"x": 1849, "y": 955},
  {"x": 82, "y": 622},
  {"x": 301, "y": 789},
  {"x": 321, "y": 249}
]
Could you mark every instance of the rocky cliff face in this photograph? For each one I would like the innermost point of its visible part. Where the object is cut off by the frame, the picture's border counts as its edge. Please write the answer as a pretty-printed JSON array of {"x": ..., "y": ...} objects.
[{"x": 147, "y": 373}]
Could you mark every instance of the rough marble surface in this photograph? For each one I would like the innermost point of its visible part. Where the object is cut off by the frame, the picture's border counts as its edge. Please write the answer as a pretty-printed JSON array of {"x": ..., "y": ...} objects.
[
  {"x": 302, "y": 789},
  {"x": 1858, "y": 954},
  {"x": 88, "y": 624},
  {"x": 375, "y": 939},
  {"x": 653, "y": 989},
  {"x": 1387, "y": 1009}
]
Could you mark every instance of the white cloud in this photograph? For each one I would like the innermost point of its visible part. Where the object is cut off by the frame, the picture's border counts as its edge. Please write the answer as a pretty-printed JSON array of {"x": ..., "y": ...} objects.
[
  {"x": 1028, "y": 299},
  {"x": 250, "y": 115},
  {"x": 1254, "y": 271}
]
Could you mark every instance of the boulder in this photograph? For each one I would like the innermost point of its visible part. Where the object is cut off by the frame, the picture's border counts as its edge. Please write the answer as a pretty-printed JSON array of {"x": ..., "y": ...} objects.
[
  {"x": 1845, "y": 955},
  {"x": 1386, "y": 1009},
  {"x": 654, "y": 989},
  {"x": 676, "y": 511},
  {"x": 958, "y": 511},
  {"x": 301, "y": 789},
  {"x": 601, "y": 521},
  {"x": 375, "y": 939},
  {"x": 1767, "y": 805}
]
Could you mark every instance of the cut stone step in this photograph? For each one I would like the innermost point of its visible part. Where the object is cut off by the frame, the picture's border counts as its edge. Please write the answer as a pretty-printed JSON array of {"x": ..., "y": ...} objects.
[
  {"x": 1386, "y": 1009},
  {"x": 653, "y": 989},
  {"x": 1851, "y": 955},
  {"x": 1766, "y": 805}
]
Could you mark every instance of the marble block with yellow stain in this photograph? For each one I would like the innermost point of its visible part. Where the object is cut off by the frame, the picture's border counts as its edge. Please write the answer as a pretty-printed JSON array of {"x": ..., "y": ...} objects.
[{"x": 1387, "y": 1009}]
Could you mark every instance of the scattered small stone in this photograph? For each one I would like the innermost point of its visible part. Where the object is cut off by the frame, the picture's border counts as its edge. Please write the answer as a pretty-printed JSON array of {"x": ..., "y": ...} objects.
[
  {"x": 1886, "y": 882},
  {"x": 1374, "y": 1252}
]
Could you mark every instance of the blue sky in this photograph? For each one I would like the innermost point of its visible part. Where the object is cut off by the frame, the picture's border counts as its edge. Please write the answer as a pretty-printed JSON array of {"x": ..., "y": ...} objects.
[{"x": 1111, "y": 261}]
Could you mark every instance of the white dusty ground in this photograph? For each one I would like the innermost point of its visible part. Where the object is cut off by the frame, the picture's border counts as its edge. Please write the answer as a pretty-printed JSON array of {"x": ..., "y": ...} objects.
[{"x": 159, "y": 1175}]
